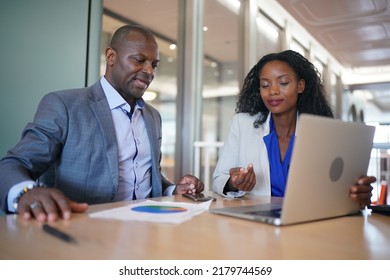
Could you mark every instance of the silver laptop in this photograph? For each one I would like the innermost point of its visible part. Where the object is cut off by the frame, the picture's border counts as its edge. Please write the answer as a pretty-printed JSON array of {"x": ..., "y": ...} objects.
[{"x": 328, "y": 158}]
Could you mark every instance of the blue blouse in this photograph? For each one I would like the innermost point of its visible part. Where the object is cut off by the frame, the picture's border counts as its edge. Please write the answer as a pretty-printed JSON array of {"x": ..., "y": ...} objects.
[{"x": 278, "y": 169}]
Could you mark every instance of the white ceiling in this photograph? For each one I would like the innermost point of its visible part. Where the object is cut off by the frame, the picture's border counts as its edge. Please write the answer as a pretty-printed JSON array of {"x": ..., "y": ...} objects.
[{"x": 354, "y": 32}]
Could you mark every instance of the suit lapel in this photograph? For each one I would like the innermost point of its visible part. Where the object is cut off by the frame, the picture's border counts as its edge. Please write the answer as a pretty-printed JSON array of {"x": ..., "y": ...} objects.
[
  {"x": 152, "y": 128},
  {"x": 100, "y": 107},
  {"x": 152, "y": 131}
]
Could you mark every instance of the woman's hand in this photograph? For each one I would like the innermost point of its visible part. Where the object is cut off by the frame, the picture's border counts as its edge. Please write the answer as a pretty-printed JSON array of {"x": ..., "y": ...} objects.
[
  {"x": 242, "y": 179},
  {"x": 362, "y": 190}
]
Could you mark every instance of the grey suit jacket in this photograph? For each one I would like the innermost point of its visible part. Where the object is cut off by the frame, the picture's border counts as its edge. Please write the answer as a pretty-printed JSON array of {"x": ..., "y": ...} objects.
[{"x": 73, "y": 132}]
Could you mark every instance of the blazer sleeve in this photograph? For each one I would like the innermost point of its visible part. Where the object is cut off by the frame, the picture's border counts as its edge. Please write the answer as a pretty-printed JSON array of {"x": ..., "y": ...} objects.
[
  {"x": 38, "y": 148},
  {"x": 242, "y": 146},
  {"x": 228, "y": 157}
]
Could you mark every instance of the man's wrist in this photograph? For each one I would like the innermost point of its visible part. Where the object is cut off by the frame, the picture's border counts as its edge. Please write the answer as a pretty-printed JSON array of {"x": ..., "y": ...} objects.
[
  {"x": 25, "y": 190},
  {"x": 169, "y": 190}
]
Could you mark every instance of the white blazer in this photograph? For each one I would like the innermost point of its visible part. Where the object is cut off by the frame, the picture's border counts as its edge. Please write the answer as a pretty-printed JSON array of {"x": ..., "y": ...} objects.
[{"x": 244, "y": 144}]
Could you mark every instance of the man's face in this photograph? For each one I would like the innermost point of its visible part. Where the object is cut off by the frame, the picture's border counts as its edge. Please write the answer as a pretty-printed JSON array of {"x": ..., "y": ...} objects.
[{"x": 131, "y": 67}]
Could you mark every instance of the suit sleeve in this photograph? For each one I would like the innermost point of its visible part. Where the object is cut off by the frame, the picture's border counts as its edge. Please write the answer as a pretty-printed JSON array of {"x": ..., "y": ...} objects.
[
  {"x": 228, "y": 157},
  {"x": 39, "y": 147}
]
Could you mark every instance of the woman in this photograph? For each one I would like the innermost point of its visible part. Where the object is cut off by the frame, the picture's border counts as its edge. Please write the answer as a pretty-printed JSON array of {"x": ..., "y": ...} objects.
[{"x": 257, "y": 152}]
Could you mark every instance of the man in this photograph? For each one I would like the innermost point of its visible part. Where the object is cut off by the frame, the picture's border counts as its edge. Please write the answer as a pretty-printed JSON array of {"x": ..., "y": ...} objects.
[{"x": 104, "y": 141}]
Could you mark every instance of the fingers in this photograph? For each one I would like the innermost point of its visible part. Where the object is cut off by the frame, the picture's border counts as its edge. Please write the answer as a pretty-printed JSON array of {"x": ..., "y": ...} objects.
[
  {"x": 363, "y": 198},
  {"x": 41, "y": 214},
  {"x": 78, "y": 207},
  {"x": 362, "y": 191},
  {"x": 243, "y": 178},
  {"x": 45, "y": 204},
  {"x": 246, "y": 183},
  {"x": 185, "y": 188},
  {"x": 198, "y": 185},
  {"x": 24, "y": 209},
  {"x": 366, "y": 180},
  {"x": 30, "y": 205},
  {"x": 54, "y": 204}
]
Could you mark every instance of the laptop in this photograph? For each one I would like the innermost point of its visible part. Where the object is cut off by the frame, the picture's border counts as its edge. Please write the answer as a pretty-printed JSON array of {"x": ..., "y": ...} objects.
[{"x": 329, "y": 156}]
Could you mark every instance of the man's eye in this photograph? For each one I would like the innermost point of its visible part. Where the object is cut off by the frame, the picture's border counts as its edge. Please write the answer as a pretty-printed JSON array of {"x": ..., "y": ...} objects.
[{"x": 138, "y": 60}]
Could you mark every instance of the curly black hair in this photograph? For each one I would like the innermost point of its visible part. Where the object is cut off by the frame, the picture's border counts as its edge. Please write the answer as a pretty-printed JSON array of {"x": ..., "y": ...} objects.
[{"x": 311, "y": 101}]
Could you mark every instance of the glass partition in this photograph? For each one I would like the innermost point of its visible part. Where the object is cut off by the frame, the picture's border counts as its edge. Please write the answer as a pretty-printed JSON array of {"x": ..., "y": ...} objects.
[
  {"x": 220, "y": 82},
  {"x": 268, "y": 36}
]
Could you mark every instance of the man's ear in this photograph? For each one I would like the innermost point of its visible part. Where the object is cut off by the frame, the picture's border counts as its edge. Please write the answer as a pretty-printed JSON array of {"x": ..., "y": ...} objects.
[{"x": 110, "y": 56}]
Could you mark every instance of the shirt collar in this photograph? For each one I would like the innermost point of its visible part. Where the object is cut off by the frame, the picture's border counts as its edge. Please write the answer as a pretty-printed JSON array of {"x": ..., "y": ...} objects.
[{"x": 272, "y": 127}]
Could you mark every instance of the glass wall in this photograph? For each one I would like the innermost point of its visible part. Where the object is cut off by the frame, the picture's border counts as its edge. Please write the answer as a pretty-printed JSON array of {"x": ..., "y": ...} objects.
[
  {"x": 296, "y": 46},
  {"x": 268, "y": 35},
  {"x": 333, "y": 93},
  {"x": 320, "y": 67},
  {"x": 220, "y": 82}
]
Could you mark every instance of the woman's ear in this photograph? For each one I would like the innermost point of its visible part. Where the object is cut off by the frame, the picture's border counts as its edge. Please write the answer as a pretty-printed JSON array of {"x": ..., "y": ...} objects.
[{"x": 301, "y": 85}]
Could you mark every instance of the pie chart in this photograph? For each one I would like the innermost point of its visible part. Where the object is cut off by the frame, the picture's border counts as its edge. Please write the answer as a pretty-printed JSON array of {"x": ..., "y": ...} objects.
[{"x": 158, "y": 209}]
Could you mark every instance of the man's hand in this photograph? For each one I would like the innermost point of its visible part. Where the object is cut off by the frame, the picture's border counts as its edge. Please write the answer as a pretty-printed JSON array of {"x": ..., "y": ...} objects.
[
  {"x": 189, "y": 184},
  {"x": 46, "y": 204}
]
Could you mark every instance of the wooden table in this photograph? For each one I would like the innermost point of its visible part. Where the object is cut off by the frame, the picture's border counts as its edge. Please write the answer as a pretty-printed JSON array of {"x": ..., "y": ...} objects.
[{"x": 205, "y": 237}]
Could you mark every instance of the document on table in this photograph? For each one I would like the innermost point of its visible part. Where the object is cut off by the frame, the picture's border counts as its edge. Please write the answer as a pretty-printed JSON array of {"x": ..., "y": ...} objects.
[{"x": 155, "y": 211}]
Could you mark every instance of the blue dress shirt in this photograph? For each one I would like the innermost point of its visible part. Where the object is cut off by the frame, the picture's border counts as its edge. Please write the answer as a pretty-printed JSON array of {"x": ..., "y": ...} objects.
[{"x": 278, "y": 169}]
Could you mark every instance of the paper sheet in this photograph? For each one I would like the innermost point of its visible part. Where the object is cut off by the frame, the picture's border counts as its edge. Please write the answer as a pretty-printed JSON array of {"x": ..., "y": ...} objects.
[{"x": 155, "y": 211}]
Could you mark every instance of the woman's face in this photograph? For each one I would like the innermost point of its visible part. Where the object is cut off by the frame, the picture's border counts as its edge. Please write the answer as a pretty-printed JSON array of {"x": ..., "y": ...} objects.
[{"x": 280, "y": 87}]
